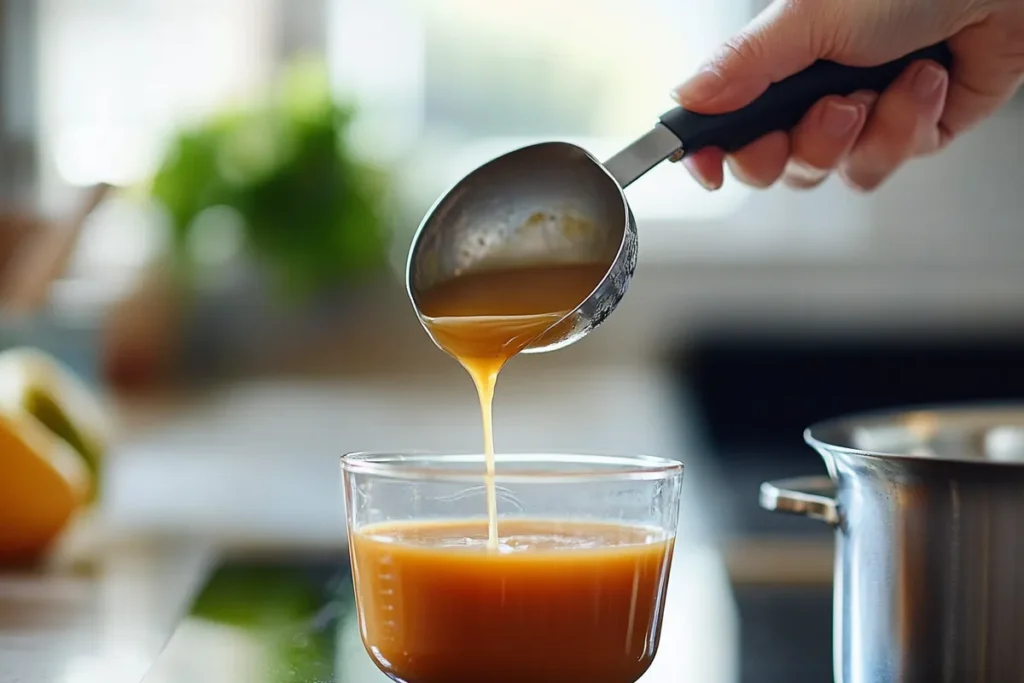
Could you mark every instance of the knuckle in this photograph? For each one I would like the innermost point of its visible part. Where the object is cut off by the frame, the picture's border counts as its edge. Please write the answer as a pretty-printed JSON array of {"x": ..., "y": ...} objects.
[
  {"x": 826, "y": 25},
  {"x": 746, "y": 46},
  {"x": 827, "y": 33}
]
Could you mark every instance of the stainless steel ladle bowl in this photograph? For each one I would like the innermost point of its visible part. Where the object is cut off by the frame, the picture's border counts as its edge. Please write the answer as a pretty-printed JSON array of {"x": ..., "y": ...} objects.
[{"x": 554, "y": 203}]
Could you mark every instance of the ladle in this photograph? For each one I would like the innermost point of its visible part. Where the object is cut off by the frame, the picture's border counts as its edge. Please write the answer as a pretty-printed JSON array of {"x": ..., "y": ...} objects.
[{"x": 553, "y": 202}]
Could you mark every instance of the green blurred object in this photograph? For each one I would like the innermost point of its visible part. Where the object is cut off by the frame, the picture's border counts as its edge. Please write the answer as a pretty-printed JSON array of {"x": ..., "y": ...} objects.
[
  {"x": 274, "y": 608},
  {"x": 311, "y": 211}
]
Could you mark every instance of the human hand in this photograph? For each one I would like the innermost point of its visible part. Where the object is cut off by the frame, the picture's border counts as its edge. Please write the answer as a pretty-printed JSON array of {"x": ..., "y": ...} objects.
[{"x": 866, "y": 136}]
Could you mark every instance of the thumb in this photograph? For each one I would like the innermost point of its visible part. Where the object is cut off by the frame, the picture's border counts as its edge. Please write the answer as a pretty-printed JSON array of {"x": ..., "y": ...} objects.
[{"x": 777, "y": 44}]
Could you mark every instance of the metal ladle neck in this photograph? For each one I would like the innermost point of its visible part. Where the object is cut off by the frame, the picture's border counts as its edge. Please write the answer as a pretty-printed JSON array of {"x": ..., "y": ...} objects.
[{"x": 657, "y": 145}]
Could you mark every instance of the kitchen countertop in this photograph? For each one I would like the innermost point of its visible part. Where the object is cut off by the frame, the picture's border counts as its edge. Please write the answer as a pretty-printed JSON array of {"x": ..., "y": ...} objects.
[
  {"x": 260, "y": 458},
  {"x": 255, "y": 465},
  {"x": 262, "y": 619},
  {"x": 95, "y": 617}
]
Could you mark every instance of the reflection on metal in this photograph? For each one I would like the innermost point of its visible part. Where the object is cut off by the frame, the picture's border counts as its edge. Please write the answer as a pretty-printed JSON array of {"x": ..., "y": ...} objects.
[{"x": 488, "y": 217}]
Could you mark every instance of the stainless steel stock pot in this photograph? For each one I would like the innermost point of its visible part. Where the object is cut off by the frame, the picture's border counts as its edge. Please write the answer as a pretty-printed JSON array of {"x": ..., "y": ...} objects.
[{"x": 928, "y": 509}]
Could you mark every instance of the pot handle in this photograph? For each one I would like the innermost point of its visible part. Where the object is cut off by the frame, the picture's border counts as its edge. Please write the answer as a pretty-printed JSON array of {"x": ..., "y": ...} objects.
[{"x": 813, "y": 497}]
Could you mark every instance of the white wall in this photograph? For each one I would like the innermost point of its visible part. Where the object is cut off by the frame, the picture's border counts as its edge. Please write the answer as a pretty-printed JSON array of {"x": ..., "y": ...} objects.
[
  {"x": 965, "y": 205},
  {"x": 941, "y": 250}
]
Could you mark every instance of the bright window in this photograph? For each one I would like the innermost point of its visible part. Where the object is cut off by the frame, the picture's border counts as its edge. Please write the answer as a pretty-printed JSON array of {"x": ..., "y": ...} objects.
[
  {"x": 445, "y": 85},
  {"x": 116, "y": 77},
  {"x": 442, "y": 85}
]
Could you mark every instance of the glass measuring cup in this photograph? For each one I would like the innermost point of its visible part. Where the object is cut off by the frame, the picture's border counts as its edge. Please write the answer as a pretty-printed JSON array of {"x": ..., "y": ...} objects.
[{"x": 575, "y": 590}]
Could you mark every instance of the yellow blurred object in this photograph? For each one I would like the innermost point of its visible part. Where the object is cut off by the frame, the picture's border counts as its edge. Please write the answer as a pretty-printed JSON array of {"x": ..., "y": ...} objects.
[
  {"x": 34, "y": 382},
  {"x": 53, "y": 434},
  {"x": 43, "y": 484}
]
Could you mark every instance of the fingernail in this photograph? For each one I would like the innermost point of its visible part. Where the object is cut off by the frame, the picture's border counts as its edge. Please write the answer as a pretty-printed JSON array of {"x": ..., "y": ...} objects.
[
  {"x": 928, "y": 80},
  {"x": 839, "y": 118},
  {"x": 802, "y": 175},
  {"x": 698, "y": 176},
  {"x": 705, "y": 85},
  {"x": 865, "y": 97}
]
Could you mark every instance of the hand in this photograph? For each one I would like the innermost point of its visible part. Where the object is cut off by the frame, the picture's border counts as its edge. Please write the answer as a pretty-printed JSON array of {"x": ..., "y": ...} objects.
[{"x": 866, "y": 136}]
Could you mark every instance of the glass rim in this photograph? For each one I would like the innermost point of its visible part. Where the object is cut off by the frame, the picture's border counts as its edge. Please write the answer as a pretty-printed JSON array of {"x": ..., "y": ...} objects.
[{"x": 427, "y": 466}]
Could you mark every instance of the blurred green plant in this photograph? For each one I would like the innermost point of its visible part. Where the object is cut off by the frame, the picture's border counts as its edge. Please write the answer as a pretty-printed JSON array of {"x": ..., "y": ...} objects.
[
  {"x": 277, "y": 609},
  {"x": 310, "y": 210}
]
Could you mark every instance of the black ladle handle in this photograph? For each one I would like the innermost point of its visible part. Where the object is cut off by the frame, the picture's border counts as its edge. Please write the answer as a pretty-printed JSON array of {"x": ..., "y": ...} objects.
[{"x": 784, "y": 103}]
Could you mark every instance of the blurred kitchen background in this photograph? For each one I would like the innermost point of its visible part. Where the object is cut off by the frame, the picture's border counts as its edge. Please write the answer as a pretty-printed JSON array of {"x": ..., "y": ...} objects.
[{"x": 235, "y": 294}]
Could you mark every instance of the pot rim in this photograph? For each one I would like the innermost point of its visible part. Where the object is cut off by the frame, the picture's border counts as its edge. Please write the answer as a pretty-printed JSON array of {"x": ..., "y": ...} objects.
[{"x": 982, "y": 415}]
